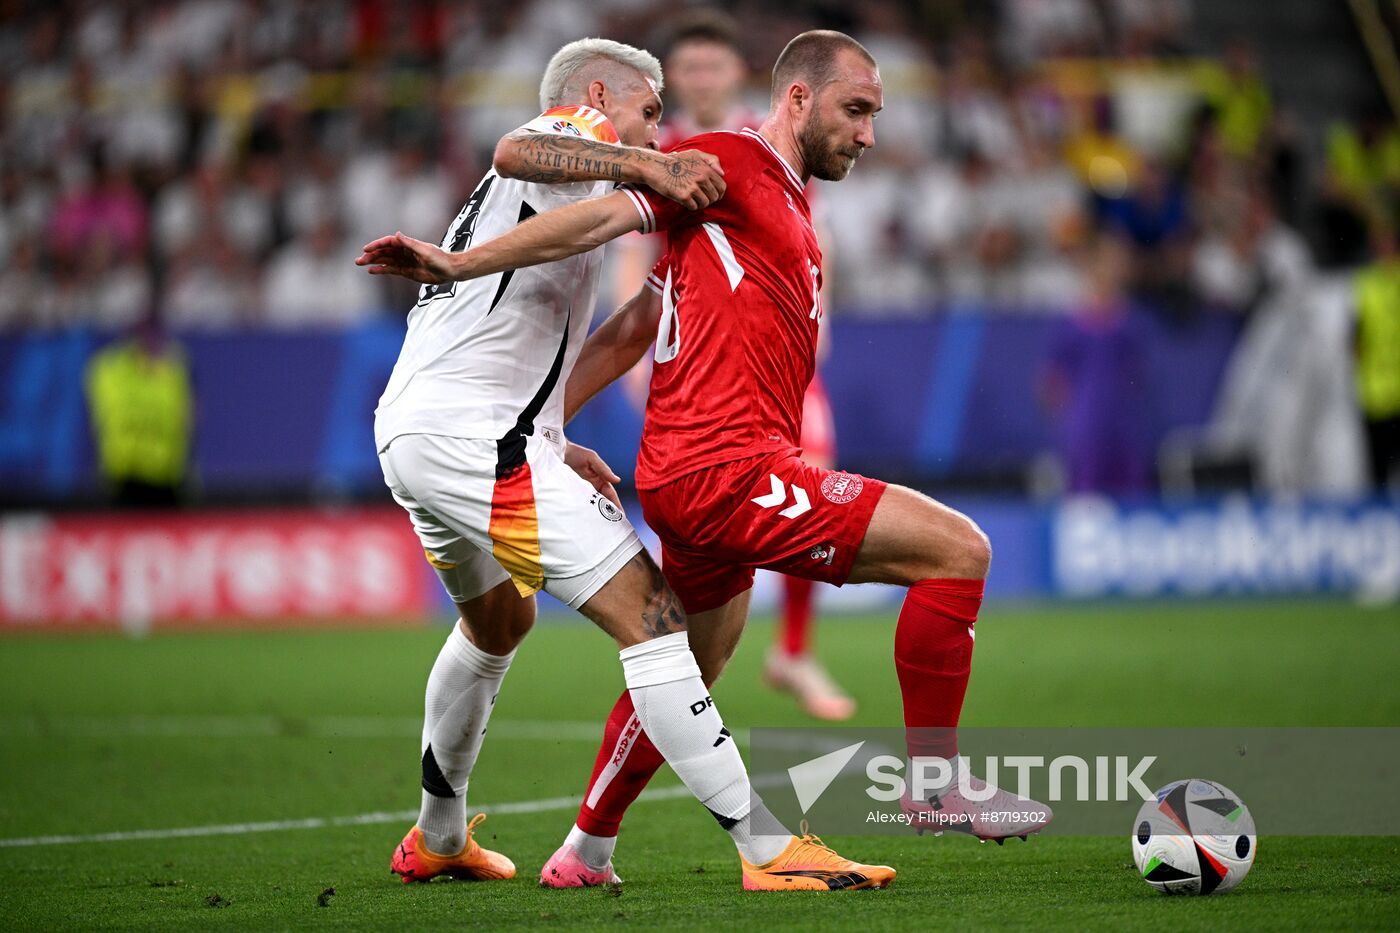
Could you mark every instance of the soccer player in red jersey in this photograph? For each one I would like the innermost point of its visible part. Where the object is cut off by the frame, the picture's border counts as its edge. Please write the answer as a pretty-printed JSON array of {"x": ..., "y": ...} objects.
[
  {"x": 718, "y": 474},
  {"x": 705, "y": 74}
]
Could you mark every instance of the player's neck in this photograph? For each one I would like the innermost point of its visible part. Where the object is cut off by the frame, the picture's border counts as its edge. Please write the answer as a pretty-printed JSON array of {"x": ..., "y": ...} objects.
[{"x": 784, "y": 141}]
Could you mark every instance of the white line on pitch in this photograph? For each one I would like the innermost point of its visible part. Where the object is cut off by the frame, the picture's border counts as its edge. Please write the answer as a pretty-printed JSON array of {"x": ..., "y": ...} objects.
[
  {"x": 259, "y": 726},
  {"x": 364, "y": 819}
]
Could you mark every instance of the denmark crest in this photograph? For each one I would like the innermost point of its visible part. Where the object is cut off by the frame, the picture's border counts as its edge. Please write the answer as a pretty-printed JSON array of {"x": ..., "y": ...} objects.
[{"x": 841, "y": 488}]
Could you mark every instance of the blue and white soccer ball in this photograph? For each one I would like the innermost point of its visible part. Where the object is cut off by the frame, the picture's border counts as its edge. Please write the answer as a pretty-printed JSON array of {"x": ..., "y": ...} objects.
[{"x": 1197, "y": 837}]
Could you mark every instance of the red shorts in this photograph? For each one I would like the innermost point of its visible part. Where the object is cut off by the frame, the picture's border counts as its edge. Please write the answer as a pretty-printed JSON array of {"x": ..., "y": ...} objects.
[
  {"x": 818, "y": 426},
  {"x": 774, "y": 511}
]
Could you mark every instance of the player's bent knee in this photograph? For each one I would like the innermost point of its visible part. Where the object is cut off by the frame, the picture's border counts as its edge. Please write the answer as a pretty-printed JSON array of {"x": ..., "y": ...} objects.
[
  {"x": 663, "y": 614},
  {"x": 661, "y": 610},
  {"x": 977, "y": 551},
  {"x": 963, "y": 551},
  {"x": 636, "y": 605},
  {"x": 498, "y": 620},
  {"x": 710, "y": 666},
  {"x": 712, "y": 658},
  {"x": 521, "y": 620},
  {"x": 715, "y": 635}
]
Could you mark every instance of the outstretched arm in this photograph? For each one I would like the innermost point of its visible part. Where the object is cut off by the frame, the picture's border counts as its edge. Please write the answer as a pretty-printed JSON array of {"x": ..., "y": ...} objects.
[
  {"x": 693, "y": 179},
  {"x": 612, "y": 349},
  {"x": 553, "y": 235}
]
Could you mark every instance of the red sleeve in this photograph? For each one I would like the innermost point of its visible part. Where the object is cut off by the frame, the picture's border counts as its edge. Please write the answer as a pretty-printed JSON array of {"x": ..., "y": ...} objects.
[
  {"x": 653, "y": 208},
  {"x": 660, "y": 213}
]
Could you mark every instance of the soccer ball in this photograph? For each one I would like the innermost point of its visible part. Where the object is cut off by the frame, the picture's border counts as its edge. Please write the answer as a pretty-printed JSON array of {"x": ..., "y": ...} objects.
[{"x": 1195, "y": 838}]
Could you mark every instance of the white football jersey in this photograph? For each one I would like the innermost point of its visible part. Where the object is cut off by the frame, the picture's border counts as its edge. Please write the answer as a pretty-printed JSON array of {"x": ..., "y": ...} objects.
[{"x": 488, "y": 358}]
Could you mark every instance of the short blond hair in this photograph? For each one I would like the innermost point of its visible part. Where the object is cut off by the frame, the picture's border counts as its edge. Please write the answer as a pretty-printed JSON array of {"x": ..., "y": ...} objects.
[{"x": 564, "y": 76}]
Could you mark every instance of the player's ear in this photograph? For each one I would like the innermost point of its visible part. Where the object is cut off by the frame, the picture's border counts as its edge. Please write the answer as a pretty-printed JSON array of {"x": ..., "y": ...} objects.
[
  {"x": 799, "y": 97},
  {"x": 598, "y": 95}
]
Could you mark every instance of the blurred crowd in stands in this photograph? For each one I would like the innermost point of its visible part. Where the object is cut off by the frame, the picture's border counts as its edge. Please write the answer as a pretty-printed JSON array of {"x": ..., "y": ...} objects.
[
  {"x": 216, "y": 164},
  {"x": 223, "y": 159}
]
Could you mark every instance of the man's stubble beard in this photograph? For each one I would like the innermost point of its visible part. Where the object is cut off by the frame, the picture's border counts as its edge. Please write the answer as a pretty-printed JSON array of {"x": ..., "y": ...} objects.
[{"x": 824, "y": 160}]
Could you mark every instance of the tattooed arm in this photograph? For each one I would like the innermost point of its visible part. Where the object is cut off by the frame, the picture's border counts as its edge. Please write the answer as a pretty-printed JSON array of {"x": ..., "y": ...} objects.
[{"x": 694, "y": 179}]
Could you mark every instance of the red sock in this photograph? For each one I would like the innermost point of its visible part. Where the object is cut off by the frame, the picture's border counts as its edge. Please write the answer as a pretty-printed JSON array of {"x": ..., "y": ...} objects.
[
  {"x": 797, "y": 615},
  {"x": 625, "y": 764},
  {"x": 933, "y": 656}
]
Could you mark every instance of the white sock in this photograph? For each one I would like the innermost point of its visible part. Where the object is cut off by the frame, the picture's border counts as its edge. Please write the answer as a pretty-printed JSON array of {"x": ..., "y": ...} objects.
[
  {"x": 933, "y": 769},
  {"x": 676, "y": 711},
  {"x": 756, "y": 846},
  {"x": 596, "y": 851},
  {"x": 462, "y": 690}
]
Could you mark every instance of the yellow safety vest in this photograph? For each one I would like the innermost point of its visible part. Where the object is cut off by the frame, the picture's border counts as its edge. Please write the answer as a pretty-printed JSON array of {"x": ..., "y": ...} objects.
[
  {"x": 1358, "y": 169},
  {"x": 142, "y": 413},
  {"x": 1378, "y": 340},
  {"x": 1242, "y": 107}
]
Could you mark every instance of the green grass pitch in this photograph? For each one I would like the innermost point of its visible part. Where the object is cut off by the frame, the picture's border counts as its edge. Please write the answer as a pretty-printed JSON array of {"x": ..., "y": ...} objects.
[{"x": 104, "y": 734}]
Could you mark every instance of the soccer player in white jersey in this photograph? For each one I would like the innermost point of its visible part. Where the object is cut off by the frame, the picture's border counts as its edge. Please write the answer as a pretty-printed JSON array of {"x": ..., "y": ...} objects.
[{"x": 470, "y": 438}]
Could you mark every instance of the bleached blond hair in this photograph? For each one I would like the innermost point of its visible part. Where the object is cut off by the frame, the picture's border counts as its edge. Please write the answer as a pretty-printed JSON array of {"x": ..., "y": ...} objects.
[{"x": 584, "y": 61}]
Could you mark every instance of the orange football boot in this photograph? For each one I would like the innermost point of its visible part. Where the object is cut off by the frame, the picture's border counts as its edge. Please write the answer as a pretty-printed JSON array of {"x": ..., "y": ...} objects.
[
  {"x": 413, "y": 862},
  {"x": 808, "y": 865}
]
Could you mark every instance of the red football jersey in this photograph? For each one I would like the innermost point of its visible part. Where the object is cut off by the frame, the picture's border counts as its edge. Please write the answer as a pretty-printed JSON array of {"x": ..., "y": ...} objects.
[{"x": 741, "y": 306}]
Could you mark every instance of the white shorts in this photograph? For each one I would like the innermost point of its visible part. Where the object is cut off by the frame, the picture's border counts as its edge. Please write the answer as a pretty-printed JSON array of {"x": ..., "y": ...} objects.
[{"x": 541, "y": 525}]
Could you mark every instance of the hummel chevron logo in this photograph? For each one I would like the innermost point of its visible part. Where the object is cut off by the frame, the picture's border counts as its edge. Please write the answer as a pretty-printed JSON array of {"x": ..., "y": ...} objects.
[
  {"x": 811, "y": 778},
  {"x": 800, "y": 502}
]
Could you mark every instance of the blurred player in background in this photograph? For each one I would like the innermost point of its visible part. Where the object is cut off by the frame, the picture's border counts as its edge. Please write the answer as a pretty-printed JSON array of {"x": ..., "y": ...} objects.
[
  {"x": 792, "y": 664},
  {"x": 470, "y": 437},
  {"x": 706, "y": 71},
  {"x": 141, "y": 404},
  {"x": 1378, "y": 355},
  {"x": 736, "y": 323},
  {"x": 1094, "y": 378},
  {"x": 706, "y": 75}
]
